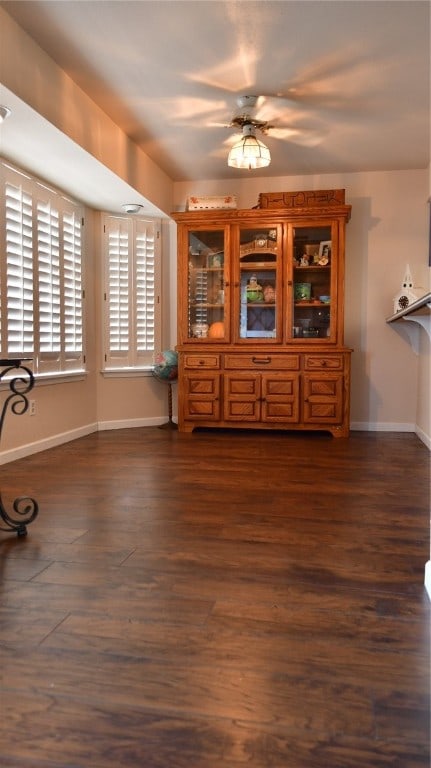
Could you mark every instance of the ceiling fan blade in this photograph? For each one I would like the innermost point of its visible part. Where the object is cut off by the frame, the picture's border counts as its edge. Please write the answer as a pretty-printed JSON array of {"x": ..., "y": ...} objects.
[
  {"x": 303, "y": 138},
  {"x": 269, "y": 107},
  {"x": 214, "y": 124},
  {"x": 188, "y": 110},
  {"x": 232, "y": 76}
]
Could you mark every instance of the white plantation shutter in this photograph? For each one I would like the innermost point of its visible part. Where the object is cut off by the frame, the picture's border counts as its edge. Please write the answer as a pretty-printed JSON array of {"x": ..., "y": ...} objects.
[
  {"x": 17, "y": 277},
  {"x": 48, "y": 263},
  {"x": 41, "y": 292},
  {"x": 132, "y": 291},
  {"x": 72, "y": 286},
  {"x": 118, "y": 235},
  {"x": 145, "y": 290}
]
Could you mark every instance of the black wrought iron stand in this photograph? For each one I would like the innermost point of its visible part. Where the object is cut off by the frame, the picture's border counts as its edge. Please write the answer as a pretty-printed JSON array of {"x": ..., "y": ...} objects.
[
  {"x": 19, "y": 385},
  {"x": 170, "y": 424}
]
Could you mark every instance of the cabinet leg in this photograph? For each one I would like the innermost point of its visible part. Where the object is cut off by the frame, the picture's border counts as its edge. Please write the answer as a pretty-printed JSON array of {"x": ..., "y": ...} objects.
[{"x": 340, "y": 432}]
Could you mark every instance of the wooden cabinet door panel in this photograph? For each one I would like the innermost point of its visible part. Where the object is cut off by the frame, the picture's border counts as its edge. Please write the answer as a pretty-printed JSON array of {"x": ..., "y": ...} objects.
[
  {"x": 242, "y": 397},
  {"x": 201, "y": 397},
  {"x": 280, "y": 397},
  {"x": 323, "y": 399}
]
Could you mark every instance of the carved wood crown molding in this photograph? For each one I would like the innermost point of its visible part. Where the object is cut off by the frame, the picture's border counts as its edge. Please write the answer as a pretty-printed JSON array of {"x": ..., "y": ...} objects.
[
  {"x": 254, "y": 216},
  {"x": 316, "y": 202},
  {"x": 313, "y": 198}
]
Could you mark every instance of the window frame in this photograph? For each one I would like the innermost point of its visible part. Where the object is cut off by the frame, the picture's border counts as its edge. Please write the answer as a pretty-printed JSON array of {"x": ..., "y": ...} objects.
[
  {"x": 55, "y": 283},
  {"x": 125, "y": 271}
]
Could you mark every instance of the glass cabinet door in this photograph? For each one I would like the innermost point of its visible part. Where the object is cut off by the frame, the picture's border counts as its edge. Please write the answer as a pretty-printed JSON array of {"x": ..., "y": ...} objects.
[
  {"x": 206, "y": 284},
  {"x": 312, "y": 302},
  {"x": 259, "y": 283}
]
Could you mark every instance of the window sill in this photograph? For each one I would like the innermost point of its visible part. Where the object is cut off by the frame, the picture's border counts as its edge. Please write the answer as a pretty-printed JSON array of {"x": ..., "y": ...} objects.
[
  {"x": 62, "y": 377},
  {"x": 41, "y": 379},
  {"x": 112, "y": 373}
]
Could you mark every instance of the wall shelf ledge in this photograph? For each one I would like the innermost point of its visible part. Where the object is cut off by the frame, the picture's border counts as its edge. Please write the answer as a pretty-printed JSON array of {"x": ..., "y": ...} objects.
[{"x": 420, "y": 313}]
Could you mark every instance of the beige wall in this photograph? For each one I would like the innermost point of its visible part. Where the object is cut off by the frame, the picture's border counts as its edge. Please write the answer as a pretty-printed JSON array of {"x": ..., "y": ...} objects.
[
  {"x": 70, "y": 409},
  {"x": 423, "y": 418},
  {"x": 78, "y": 406},
  {"x": 33, "y": 76},
  {"x": 390, "y": 382},
  {"x": 388, "y": 229},
  {"x": 142, "y": 398},
  {"x": 61, "y": 408}
]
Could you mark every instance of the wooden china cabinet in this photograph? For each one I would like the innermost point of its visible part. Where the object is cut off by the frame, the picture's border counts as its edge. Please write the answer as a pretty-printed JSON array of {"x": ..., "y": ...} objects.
[{"x": 261, "y": 315}]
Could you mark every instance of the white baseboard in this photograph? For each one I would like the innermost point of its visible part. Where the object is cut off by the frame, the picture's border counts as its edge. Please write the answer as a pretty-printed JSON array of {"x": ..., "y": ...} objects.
[
  {"x": 428, "y": 578},
  {"x": 369, "y": 426},
  {"x": 43, "y": 445},
  {"x": 131, "y": 423},
  {"x": 424, "y": 437},
  {"x": 382, "y": 426},
  {"x": 65, "y": 437}
]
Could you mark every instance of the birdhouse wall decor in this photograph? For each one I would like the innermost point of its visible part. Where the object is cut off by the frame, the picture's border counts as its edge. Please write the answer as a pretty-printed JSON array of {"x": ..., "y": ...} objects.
[{"x": 408, "y": 293}]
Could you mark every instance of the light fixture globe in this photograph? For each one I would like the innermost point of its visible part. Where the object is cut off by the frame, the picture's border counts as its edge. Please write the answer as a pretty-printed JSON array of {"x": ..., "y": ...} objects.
[{"x": 249, "y": 152}]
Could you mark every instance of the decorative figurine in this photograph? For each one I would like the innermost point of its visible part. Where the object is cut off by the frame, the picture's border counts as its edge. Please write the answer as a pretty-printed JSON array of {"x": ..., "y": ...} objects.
[
  {"x": 408, "y": 293},
  {"x": 254, "y": 290}
]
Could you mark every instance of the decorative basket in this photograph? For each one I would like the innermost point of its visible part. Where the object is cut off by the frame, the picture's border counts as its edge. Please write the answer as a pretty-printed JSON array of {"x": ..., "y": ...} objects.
[
  {"x": 211, "y": 203},
  {"x": 269, "y": 294}
]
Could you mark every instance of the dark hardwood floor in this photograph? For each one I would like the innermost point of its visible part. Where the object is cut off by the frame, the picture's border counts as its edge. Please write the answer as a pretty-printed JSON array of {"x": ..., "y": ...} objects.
[{"x": 218, "y": 600}]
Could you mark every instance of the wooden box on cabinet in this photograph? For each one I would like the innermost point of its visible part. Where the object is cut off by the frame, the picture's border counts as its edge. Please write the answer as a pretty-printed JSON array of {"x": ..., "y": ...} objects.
[{"x": 260, "y": 318}]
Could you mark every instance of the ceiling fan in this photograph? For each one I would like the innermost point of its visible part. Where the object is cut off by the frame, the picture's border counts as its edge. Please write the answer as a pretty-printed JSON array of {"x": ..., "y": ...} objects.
[
  {"x": 247, "y": 150},
  {"x": 266, "y": 114}
]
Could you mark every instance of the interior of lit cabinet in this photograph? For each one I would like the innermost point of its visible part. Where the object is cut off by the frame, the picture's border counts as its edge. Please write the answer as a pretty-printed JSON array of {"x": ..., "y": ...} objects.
[
  {"x": 259, "y": 283},
  {"x": 313, "y": 298},
  {"x": 206, "y": 284}
]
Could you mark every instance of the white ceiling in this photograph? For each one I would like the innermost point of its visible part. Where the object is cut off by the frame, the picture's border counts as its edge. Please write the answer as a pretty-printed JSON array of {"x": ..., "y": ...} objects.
[{"x": 353, "y": 76}]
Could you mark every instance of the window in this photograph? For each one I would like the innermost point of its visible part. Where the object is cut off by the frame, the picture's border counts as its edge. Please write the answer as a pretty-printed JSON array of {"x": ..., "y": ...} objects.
[
  {"x": 132, "y": 284},
  {"x": 41, "y": 283}
]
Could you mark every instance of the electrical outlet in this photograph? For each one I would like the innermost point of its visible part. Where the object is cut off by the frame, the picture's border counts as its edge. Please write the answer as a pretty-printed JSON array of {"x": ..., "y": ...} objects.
[{"x": 31, "y": 407}]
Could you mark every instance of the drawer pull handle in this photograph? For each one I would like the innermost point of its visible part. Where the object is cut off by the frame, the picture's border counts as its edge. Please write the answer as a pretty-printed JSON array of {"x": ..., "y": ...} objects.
[
  {"x": 201, "y": 362},
  {"x": 261, "y": 360}
]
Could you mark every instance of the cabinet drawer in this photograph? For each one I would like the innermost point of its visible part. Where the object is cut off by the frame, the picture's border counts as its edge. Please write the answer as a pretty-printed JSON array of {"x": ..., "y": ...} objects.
[
  {"x": 323, "y": 362},
  {"x": 201, "y": 361},
  {"x": 262, "y": 362}
]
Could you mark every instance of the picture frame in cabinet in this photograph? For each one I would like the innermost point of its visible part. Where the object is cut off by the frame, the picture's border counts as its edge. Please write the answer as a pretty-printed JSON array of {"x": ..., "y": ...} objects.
[
  {"x": 311, "y": 251},
  {"x": 325, "y": 251}
]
